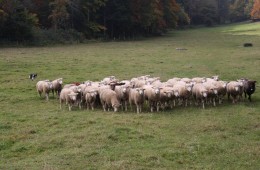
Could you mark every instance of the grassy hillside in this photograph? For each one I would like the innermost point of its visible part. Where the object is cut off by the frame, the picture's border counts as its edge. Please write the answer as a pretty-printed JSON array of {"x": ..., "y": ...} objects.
[{"x": 35, "y": 134}]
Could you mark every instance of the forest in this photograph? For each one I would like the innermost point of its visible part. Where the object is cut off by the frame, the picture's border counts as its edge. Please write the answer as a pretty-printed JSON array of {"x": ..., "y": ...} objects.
[{"x": 52, "y": 21}]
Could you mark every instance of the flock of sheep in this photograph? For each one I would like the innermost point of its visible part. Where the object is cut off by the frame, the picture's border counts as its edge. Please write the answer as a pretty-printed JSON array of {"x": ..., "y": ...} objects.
[{"x": 110, "y": 93}]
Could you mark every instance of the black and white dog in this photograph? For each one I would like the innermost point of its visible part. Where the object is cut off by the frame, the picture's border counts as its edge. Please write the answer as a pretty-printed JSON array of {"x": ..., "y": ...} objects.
[{"x": 32, "y": 76}]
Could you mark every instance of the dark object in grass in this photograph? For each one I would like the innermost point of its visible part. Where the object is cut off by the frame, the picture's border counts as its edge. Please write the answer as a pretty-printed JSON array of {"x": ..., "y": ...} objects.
[
  {"x": 32, "y": 76},
  {"x": 248, "y": 45}
]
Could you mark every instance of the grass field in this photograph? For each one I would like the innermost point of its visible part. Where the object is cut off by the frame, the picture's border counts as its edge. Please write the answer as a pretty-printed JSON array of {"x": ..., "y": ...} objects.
[{"x": 35, "y": 134}]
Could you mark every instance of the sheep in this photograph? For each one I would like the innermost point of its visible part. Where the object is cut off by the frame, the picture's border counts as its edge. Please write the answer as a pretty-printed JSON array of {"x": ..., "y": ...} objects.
[
  {"x": 186, "y": 80},
  {"x": 89, "y": 89},
  {"x": 136, "y": 96},
  {"x": 167, "y": 96},
  {"x": 44, "y": 86},
  {"x": 249, "y": 88},
  {"x": 152, "y": 95},
  {"x": 199, "y": 79},
  {"x": 222, "y": 91},
  {"x": 75, "y": 89},
  {"x": 122, "y": 93},
  {"x": 138, "y": 82},
  {"x": 57, "y": 86},
  {"x": 212, "y": 79},
  {"x": 109, "y": 79},
  {"x": 200, "y": 93},
  {"x": 212, "y": 92},
  {"x": 173, "y": 81},
  {"x": 234, "y": 90},
  {"x": 69, "y": 97},
  {"x": 184, "y": 91},
  {"x": 90, "y": 99},
  {"x": 109, "y": 99}
]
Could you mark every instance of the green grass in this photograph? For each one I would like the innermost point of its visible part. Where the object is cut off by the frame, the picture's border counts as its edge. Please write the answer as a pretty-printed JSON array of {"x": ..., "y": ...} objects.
[{"x": 35, "y": 134}]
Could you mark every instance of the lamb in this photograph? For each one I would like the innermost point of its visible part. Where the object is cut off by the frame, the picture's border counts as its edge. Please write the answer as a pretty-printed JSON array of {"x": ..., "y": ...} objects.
[
  {"x": 44, "y": 86},
  {"x": 136, "y": 96},
  {"x": 234, "y": 90},
  {"x": 69, "y": 97},
  {"x": 57, "y": 86},
  {"x": 90, "y": 99},
  {"x": 152, "y": 95},
  {"x": 122, "y": 93},
  {"x": 200, "y": 93},
  {"x": 109, "y": 99}
]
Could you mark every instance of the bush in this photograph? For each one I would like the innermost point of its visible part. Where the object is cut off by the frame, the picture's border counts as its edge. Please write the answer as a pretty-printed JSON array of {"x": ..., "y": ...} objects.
[{"x": 51, "y": 36}]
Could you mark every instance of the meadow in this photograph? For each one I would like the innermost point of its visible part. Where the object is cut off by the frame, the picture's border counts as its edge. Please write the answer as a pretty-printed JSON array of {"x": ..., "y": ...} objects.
[{"x": 35, "y": 134}]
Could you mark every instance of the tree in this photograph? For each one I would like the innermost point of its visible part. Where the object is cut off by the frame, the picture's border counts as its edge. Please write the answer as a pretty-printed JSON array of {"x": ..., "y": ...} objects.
[
  {"x": 238, "y": 10},
  {"x": 59, "y": 15},
  {"x": 16, "y": 21},
  {"x": 255, "y": 12}
]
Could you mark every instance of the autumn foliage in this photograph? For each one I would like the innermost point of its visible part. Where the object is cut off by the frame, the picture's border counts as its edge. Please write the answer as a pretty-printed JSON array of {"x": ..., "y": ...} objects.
[{"x": 255, "y": 13}]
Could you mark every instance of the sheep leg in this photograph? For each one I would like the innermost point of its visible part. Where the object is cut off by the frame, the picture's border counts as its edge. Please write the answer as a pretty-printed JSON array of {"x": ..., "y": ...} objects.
[
  {"x": 214, "y": 102},
  {"x": 47, "y": 96},
  {"x": 203, "y": 105},
  {"x": 70, "y": 106},
  {"x": 157, "y": 106},
  {"x": 249, "y": 98},
  {"x": 125, "y": 106}
]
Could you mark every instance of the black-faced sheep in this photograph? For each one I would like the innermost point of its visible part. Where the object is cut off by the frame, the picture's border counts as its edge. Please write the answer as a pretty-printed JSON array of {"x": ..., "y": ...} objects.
[
  {"x": 249, "y": 88},
  {"x": 45, "y": 87}
]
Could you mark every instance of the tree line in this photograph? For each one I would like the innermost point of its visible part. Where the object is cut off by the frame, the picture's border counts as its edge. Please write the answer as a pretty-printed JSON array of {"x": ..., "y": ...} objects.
[{"x": 45, "y": 20}]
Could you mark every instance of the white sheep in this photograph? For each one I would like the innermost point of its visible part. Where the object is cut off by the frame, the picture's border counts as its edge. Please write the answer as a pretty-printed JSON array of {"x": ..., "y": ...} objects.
[
  {"x": 90, "y": 99},
  {"x": 57, "y": 86},
  {"x": 122, "y": 93},
  {"x": 152, "y": 95},
  {"x": 136, "y": 96},
  {"x": 222, "y": 90},
  {"x": 109, "y": 99},
  {"x": 234, "y": 89},
  {"x": 212, "y": 92},
  {"x": 108, "y": 79},
  {"x": 186, "y": 80},
  {"x": 69, "y": 97},
  {"x": 184, "y": 90},
  {"x": 44, "y": 86},
  {"x": 200, "y": 93},
  {"x": 199, "y": 79},
  {"x": 167, "y": 96}
]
